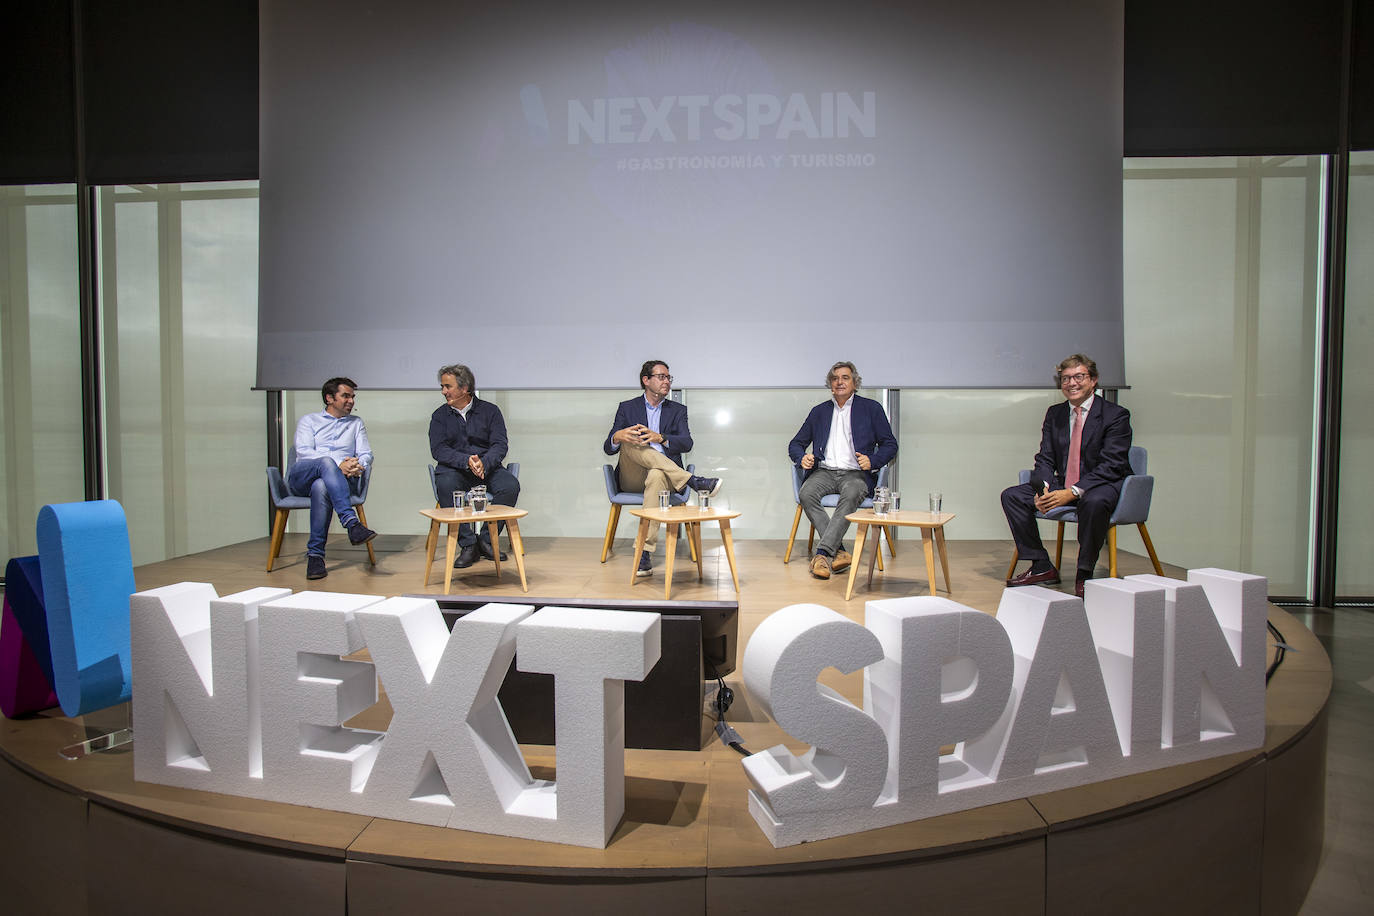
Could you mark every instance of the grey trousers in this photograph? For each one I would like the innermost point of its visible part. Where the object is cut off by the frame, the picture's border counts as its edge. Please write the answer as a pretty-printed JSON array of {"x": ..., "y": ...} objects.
[{"x": 852, "y": 486}]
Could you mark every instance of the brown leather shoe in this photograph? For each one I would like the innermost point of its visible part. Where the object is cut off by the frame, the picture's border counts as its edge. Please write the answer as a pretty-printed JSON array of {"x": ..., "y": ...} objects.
[
  {"x": 841, "y": 561},
  {"x": 820, "y": 566},
  {"x": 1078, "y": 585},
  {"x": 1048, "y": 577}
]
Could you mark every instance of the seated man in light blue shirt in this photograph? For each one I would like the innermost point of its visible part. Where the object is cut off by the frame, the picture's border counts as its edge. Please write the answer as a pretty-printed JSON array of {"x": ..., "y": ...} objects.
[{"x": 332, "y": 452}]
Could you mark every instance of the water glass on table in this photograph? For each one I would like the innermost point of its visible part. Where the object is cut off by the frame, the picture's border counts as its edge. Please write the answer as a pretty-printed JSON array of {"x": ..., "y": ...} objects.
[{"x": 881, "y": 501}]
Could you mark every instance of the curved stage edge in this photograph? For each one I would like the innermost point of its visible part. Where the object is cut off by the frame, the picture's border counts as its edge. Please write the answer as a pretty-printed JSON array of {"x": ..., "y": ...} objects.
[{"x": 1237, "y": 834}]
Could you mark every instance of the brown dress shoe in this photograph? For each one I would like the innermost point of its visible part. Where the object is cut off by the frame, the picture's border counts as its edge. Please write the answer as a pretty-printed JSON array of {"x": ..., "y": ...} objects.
[
  {"x": 820, "y": 566},
  {"x": 1048, "y": 577},
  {"x": 841, "y": 561}
]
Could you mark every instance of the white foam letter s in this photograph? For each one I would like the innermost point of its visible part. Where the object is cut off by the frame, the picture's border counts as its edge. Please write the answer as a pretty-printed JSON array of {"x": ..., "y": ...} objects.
[{"x": 847, "y": 764}]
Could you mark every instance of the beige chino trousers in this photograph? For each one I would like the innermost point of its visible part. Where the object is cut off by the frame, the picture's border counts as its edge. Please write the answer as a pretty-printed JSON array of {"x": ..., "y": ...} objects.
[{"x": 648, "y": 470}]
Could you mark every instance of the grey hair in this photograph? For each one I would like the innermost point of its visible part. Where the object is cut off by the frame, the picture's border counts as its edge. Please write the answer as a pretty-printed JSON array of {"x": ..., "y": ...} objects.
[
  {"x": 461, "y": 374},
  {"x": 844, "y": 364}
]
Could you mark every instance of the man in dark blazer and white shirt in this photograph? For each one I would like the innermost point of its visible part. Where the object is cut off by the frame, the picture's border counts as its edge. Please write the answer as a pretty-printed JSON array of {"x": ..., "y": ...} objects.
[
  {"x": 850, "y": 439},
  {"x": 650, "y": 433},
  {"x": 1092, "y": 487}
]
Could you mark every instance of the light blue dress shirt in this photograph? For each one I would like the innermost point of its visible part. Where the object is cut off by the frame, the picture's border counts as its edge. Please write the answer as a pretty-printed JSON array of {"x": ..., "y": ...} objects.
[
  {"x": 655, "y": 413},
  {"x": 323, "y": 435}
]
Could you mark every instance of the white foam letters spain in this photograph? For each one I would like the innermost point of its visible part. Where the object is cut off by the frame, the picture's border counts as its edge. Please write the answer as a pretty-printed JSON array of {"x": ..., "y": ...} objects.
[{"x": 1053, "y": 692}]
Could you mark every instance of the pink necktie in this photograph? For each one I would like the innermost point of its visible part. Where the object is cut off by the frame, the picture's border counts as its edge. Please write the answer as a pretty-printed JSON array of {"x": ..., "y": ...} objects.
[{"x": 1075, "y": 446}]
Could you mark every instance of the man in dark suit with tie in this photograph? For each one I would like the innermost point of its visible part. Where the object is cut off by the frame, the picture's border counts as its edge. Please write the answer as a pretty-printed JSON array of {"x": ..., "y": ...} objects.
[
  {"x": 1084, "y": 456},
  {"x": 650, "y": 433},
  {"x": 850, "y": 439}
]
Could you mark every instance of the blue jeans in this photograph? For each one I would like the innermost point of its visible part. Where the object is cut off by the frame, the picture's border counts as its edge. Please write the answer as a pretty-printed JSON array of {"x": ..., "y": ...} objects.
[{"x": 328, "y": 488}]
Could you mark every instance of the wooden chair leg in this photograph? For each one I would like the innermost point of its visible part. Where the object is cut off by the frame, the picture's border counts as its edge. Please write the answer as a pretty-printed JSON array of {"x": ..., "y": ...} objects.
[
  {"x": 1015, "y": 555},
  {"x": 1111, "y": 551},
  {"x": 796, "y": 520},
  {"x": 1059, "y": 547},
  {"x": 362, "y": 517},
  {"x": 431, "y": 541},
  {"x": 891, "y": 543},
  {"x": 811, "y": 541},
  {"x": 610, "y": 531},
  {"x": 1150, "y": 548},
  {"x": 278, "y": 529},
  {"x": 692, "y": 544}
]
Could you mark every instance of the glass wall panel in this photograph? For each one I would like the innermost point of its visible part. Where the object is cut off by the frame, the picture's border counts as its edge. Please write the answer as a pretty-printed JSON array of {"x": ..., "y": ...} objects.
[
  {"x": 185, "y": 433},
  {"x": 225, "y": 431},
  {"x": 136, "y": 460},
  {"x": 1222, "y": 259},
  {"x": 1355, "y": 553},
  {"x": 40, "y": 356},
  {"x": 741, "y": 436},
  {"x": 969, "y": 445}
]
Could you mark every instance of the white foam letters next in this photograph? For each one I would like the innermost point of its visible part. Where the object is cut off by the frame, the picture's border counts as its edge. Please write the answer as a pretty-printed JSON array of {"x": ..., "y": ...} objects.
[
  {"x": 1053, "y": 692},
  {"x": 248, "y": 695}
]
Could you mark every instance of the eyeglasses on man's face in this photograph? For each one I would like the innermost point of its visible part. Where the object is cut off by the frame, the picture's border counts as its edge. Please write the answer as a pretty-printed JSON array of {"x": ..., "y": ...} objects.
[
  {"x": 662, "y": 375},
  {"x": 1079, "y": 377}
]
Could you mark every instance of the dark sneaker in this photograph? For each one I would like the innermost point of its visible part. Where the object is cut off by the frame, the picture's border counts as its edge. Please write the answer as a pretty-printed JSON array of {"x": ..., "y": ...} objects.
[
  {"x": 314, "y": 568},
  {"x": 466, "y": 557},
  {"x": 711, "y": 484},
  {"x": 360, "y": 534},
  {"x": 646, "y": 565}
]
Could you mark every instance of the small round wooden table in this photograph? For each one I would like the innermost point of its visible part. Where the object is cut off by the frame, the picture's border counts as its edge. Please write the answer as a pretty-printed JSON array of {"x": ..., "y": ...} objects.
[
  {"x": 455, "y": 517},
  {"x": 932, "y": 525},
  {"x": 692, "y": 517}
]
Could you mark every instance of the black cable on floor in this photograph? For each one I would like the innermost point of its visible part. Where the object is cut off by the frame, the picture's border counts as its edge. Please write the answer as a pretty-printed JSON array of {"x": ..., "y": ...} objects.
[
  {"x": 1280, "y": 650},
  {"x": 724, "y": 697}
]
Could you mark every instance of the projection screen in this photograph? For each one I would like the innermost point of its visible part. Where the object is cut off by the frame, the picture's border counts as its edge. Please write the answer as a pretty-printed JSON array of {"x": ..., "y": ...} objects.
[{"x": 750, "y": 191}]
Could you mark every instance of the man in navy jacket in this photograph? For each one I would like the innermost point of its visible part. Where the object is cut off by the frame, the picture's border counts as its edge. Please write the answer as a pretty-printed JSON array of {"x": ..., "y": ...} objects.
[
  {"x": 850, "y": 439},
  {"x": 1090, "y": 481},
  {"x": 650, "y": 433},
  {"x": 467, "y": 437}
]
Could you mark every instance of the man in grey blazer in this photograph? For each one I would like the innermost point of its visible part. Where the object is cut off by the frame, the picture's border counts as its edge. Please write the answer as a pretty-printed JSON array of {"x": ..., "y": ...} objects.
[{"x": 1087, "y": 477}]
